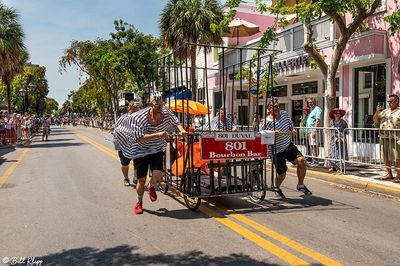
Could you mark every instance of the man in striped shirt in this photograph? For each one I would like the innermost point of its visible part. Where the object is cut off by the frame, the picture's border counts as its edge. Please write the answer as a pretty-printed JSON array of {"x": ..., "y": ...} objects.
[
  {"x": 280, "y": 122},
  {"x": 122, "y": 126},
  {"x": 221, "y": 122},
  {"x": 151, "y": 127}
]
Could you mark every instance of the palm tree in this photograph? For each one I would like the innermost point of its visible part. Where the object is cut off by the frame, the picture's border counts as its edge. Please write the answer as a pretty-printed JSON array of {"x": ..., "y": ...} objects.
[
  {"x": 189, "y": 21},
  {"x": 12, "y": 48}
]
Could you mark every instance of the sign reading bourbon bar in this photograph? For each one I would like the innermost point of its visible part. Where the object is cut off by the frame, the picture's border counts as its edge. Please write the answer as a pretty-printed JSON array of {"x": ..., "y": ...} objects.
[
  {"x": 292, "y": 62},
  {"x": 223, "y": 145}
]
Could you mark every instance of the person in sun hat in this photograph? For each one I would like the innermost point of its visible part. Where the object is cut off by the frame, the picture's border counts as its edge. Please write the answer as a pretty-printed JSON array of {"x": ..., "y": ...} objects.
[{"x": 337, "y": 150}]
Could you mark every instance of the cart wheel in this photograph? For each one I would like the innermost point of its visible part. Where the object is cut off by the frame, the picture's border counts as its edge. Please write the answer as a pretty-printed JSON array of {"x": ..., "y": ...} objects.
[
  {"x": 192, "y": 203},
  {"x": 163, "y": 187},
  {"x": 257, "y": 196}
]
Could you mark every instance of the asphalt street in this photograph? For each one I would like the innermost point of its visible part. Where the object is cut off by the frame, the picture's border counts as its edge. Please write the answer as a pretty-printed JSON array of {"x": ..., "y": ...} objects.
[{"x": 64, "y": 203}]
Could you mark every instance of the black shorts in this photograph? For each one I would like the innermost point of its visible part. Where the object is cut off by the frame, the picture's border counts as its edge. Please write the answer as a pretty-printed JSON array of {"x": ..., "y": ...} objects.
[
  {"x": 291, "y": 154},
  {"x": 124, "y": 161},
  {"x": 155, "y": 161}
]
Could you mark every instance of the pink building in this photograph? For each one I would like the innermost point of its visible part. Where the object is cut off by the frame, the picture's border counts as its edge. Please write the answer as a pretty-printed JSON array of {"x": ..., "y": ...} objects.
[{"x": 369, "y": 69}]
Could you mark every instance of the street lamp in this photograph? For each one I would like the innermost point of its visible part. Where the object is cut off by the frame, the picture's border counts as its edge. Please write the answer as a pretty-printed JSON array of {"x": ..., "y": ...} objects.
[{"x": 24, "y": 93}]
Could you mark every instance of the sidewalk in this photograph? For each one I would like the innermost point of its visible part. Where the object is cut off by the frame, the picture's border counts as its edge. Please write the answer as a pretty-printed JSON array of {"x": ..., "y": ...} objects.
[{"x": 360, "y": 177}]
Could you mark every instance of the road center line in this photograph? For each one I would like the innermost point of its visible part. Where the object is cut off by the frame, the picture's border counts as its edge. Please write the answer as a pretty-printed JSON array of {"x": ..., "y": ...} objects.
[
  {"x": 5, "y": 176},
  {"x": 253, "y": 237},
  {"x": 281, "y": 238}
]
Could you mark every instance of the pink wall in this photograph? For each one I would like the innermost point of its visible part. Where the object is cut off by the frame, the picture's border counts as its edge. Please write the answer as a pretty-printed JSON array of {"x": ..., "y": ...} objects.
[
  {"x": 345, "y": 90},
  {"x": 261, "y": 20}
]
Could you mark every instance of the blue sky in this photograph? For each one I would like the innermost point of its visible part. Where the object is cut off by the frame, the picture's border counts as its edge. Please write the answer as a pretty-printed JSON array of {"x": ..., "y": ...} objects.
[{"x": 51, "y": 25}]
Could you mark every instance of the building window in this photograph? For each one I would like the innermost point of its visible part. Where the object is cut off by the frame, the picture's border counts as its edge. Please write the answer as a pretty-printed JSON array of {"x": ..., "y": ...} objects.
[
  {"x": 298, "y": 38},
  {"x": 217, "y": 101},
  {"x": 305, "y": 88},
  {"x": 383, "y": 7},
  {"x": 242, "y": 95},
  {"x": 369, "y": 90},
  {"x": 279, "y": 91}
]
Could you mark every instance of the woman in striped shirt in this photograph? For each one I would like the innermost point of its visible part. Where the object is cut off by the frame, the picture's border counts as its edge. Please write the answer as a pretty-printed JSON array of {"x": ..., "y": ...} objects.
[{"x": 280, "y": 122}]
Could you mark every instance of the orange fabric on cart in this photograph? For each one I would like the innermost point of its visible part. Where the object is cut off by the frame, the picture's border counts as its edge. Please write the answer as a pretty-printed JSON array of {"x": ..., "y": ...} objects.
[{"x": 197, "y": 162}]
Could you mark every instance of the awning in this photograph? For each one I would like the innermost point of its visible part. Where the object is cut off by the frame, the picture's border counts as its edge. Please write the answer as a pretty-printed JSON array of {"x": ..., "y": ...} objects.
[{"x": 182, "y": 93}]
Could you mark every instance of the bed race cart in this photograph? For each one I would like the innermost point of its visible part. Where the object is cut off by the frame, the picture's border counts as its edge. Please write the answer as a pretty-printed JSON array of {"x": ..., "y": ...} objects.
[{"x": 220, "y": 101}]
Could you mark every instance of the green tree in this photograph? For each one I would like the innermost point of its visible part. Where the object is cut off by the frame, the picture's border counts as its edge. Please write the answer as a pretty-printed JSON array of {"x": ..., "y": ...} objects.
[
  {"x": 190, "y": 21},
  {"x": 12, "y": 48},
  {"x": 51, "y": 106},
  {"x": 140, "y": 50},
  {"x": 32, "y": 81},
  {"x": 103, "y": 62}
]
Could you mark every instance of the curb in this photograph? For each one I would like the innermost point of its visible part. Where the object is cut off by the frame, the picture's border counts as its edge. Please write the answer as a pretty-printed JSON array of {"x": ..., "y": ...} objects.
[{"x": 354, "y": 182}]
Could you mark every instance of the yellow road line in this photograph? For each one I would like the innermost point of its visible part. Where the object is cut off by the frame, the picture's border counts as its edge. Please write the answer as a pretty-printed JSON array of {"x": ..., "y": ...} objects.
[
  {"x": 261, "y": 242},
  {"x": 11, "y": 169},
  {"x": 281, "y": 238},
  {"x": 253, "y": 237},
  {"x": 101, "y": 147},
  {"x": 256, "y": 239}
]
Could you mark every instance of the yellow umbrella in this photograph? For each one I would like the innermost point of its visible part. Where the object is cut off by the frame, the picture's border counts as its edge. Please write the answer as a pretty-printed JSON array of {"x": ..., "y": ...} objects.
[{"x": 181, "y": 106}]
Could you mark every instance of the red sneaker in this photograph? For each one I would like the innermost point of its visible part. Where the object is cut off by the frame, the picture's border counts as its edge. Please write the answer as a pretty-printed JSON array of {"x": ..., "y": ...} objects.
[
  {"x": 152, "y": 192},
  {"x": 138, "y": 207}
]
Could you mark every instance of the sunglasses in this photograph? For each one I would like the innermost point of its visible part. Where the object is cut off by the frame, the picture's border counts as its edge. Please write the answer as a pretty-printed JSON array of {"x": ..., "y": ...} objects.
[
  {"x": 391, "y": 101},
  {"x": 337, "y": 113}
]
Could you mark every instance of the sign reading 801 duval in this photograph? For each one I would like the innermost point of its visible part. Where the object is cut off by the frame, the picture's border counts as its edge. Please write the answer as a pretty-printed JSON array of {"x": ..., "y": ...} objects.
[{"x": 223, "y": 145}]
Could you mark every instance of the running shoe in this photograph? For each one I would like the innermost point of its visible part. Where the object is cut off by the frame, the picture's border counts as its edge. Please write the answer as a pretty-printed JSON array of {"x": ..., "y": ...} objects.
[
  {"x": 152, "y": 192},
  {"x": 139, "y": 207},
  {"x": 304, "y": 189},
  {"x": 126, "y": 182}
]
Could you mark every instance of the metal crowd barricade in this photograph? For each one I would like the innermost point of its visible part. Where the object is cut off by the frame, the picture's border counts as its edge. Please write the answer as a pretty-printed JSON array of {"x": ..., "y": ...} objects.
[
  {"x": 214, "y": 173},
  {"x": 370, "y": 146},
  {"x": 332, "y": 151}
]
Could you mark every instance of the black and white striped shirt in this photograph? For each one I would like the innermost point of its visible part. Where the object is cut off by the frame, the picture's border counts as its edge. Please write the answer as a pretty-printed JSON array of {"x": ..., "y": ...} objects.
[
  {"x": 123, "y": 135},
  {"x": 139, "y": 125},
  {"x": 216, "y": 124},
  {"x": 283, "y": 124}
]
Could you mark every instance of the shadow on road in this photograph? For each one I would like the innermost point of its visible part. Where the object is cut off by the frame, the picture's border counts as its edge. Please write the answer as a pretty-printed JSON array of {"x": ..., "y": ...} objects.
[
  {"x": 49, "y": 144},
  {"x": 278, "y": 205},
  {"x": 181, "y": 214},
  {"x": 130, "y": 255},
  {"x": 3, "y": 151}
]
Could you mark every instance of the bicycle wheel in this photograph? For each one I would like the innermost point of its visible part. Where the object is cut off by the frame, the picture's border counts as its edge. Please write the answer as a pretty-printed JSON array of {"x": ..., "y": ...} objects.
[
  {"x": 256, "y": 195},
  {"x": 193, "y": 203}
]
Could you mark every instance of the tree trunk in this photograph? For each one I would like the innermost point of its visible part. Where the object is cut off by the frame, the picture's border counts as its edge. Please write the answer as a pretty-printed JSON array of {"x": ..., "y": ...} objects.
[
  {"x": 114, "y": 106},
  {"x": 193, "y": 76},
  {"x": 8, "y": 84},
  {"x": 330, "y": 103}
]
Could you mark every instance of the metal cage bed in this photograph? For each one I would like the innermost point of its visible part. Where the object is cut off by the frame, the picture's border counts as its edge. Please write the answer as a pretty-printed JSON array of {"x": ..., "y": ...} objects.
[{"x": 197, "y": 165}]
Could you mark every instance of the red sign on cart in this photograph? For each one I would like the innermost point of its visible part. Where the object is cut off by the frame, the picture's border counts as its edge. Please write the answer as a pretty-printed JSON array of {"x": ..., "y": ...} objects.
[{"x": 224, "y": 145}]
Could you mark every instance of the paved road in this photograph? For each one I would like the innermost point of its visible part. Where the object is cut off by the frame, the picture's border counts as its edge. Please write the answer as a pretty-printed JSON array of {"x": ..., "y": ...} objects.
[{"x": 64, "y": 203}]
